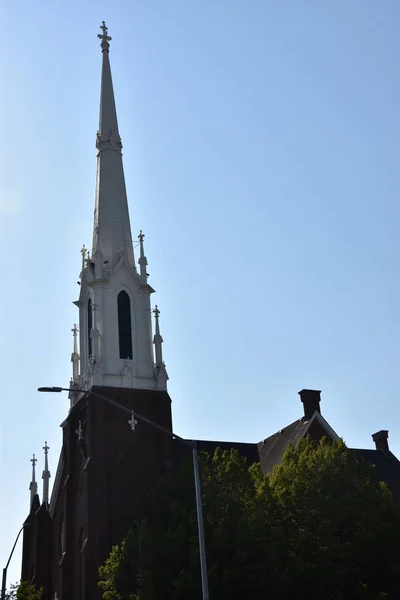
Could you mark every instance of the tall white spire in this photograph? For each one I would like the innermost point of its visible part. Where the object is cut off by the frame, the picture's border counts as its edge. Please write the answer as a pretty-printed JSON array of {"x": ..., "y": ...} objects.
[
  {"x": 46, "y": 474},
  {"x": 33, "y": 485},
  {"x": 112, "y": 232},
  {"x": 115, "y": 324}
]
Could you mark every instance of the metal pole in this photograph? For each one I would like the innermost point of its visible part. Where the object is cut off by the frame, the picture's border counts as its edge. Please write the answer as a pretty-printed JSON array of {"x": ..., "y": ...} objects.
[
  {"x": 3, "y": 584},
  {"x": 200, "y": 524}
]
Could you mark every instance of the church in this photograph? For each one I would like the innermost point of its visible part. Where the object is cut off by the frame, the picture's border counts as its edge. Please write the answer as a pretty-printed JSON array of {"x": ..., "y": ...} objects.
[{"x": 105, "y": 462}]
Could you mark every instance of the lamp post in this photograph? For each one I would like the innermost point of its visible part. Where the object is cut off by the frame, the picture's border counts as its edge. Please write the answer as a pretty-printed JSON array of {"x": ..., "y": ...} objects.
[
  {"x": 190, "y": 443},
  {"x": 4, "y": 580}
]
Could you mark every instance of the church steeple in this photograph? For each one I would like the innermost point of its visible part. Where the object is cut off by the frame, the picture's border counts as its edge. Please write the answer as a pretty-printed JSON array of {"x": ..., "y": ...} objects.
[
  {"x": 115, "y": 328},
  {"x": 112, "y": 232}
]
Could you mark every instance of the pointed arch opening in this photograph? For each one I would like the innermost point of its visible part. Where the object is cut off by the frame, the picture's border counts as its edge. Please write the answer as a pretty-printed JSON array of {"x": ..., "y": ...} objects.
[
  {"x": 89, "y": 327},
  {"x": 124, "y": 325}
]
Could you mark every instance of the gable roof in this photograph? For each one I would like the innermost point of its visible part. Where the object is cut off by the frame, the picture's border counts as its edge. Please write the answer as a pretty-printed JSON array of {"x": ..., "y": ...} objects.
[{"x": 271, "y": 449}]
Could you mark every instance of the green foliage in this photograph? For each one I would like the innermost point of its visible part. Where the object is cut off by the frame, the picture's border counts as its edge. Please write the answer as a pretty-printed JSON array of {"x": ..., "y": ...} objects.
[
  {"x": 319, "y": 527},
  {"x": 24, "y": 591}
]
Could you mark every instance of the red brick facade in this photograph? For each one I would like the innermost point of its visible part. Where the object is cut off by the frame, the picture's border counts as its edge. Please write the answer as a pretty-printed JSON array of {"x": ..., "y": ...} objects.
[{"x": 98, "y": 478}]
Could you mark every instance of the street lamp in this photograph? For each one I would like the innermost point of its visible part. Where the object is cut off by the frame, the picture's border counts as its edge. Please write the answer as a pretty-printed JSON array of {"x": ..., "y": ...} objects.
[
  {"x": 4, "y": 581},
  {"x": 190, "y": 443}
]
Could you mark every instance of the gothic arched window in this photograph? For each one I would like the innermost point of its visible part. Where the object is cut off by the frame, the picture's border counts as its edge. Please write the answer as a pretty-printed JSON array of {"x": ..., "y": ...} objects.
[
  {"x": 89, "y": 326},
  {"x": 124, "y": 325}
]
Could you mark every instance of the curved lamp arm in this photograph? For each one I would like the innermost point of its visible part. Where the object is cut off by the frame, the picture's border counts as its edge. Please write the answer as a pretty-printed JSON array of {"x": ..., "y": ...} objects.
[{"x": 3, "y": 585}]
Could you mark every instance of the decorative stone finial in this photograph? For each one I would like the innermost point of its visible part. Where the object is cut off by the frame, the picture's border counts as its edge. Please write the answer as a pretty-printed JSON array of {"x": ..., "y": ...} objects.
[
  {"x": 33, "y": 484},
  {"x": 142, "y": 260},
  {"x": 157, "y": 341},
  {"x": 84, "y": 253},
  {"x": 105, "y": 39},
  {"x": 75, "y": 355},
  {"x": 46, "y": 474}
]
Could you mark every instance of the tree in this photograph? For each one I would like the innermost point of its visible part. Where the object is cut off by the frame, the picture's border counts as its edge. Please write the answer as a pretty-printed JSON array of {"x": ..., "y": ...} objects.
[
  {"x": 24, "y": 591},
  {"x": 341, "y": 526},
  {"x": 319, "y": 527}
]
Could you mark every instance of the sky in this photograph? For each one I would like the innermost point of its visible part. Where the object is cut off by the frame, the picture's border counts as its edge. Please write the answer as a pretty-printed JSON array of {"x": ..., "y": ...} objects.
[{"x": 261, "y": 159}]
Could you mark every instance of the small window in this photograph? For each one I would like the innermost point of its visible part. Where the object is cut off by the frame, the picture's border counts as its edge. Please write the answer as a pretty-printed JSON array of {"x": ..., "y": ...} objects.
[
  {"x": 89, "y": 326},
  {"x": 124, "y": 325}
]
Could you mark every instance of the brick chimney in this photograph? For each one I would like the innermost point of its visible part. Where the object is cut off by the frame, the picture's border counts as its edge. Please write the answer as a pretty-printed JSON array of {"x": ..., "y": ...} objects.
[
  {"x": 310, "y": 400},
  {"x": 381, "y": 440}
]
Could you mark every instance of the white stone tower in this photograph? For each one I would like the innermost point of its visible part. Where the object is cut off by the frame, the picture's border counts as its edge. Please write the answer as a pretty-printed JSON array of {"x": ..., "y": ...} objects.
[{"x": 115, "y": 330}]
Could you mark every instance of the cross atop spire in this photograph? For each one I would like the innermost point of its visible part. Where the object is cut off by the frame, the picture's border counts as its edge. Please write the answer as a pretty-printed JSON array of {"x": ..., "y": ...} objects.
[
  {"x": 105, "y": 39},
  {"x": 33, "y": 484},
  {"x": 46, "y": 474}
]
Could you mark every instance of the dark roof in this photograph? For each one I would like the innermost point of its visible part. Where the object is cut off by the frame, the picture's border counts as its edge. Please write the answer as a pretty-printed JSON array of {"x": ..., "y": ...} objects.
[
  {"x": 387, "y": 467},
  {"x": 247, "y": 450},
  {"x": 272, "y": 448}
]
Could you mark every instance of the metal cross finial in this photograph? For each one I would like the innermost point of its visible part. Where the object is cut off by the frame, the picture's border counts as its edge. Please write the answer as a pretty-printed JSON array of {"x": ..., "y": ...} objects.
[
  {"x": 132, "y": 422},
  {"x": 75, "y": 330},
  {"x": 33, "y": 461},
  {"x": 141, "y": 236},
  {"x": 156, "y": 311},
  {"x": 103, "y": 36},
  {"x": 104, "y": 29},
  {"x": 79, "y": 431},
  {"x": 46, "y": 448}
]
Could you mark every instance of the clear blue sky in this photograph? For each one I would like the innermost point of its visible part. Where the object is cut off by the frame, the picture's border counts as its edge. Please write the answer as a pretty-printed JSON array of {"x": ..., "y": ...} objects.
[{"x": 261, "y": 151}]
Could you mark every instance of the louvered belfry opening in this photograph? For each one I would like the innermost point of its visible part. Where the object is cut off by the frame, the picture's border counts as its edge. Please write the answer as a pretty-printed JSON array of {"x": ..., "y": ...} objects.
[
  {"x": 124, "y": 325},
  {"x": 89, "y": 326}
]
